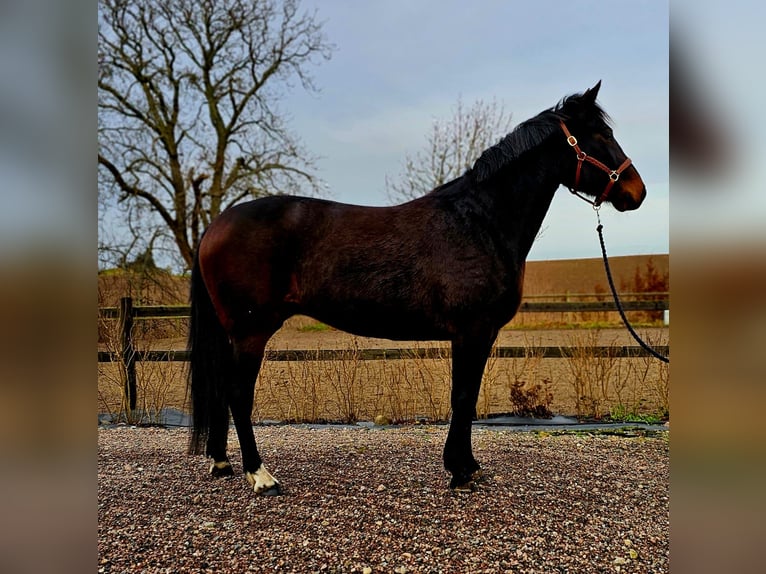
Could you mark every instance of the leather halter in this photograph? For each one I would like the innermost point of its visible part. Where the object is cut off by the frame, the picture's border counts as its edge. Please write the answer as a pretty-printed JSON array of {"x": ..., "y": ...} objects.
[{"x": 614, "y": 174}]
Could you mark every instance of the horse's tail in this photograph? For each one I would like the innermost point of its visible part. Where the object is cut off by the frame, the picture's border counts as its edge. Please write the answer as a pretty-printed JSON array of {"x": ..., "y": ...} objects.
[{"x": 211, "y": 362}]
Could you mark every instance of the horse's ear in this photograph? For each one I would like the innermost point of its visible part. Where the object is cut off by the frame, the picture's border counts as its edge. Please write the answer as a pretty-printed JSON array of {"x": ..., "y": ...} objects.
[{"x": 590, "y": 95}]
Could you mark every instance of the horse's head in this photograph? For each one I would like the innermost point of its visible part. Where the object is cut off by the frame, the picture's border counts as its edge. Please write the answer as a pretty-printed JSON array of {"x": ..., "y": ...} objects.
[{"x": 594, "y": 163}]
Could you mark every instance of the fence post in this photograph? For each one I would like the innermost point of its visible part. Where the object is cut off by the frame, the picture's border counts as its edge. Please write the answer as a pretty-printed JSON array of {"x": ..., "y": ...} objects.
[{"x": 128, "y": 353}]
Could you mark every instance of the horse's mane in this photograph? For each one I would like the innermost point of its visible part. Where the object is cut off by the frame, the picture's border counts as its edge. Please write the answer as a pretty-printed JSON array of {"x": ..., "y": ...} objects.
[{"x": 530, "y": 134}]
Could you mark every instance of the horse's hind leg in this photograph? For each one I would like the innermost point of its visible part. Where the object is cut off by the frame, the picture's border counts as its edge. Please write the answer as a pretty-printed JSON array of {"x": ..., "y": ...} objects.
[
  {"x": 468, "y": 360},
  {"x": 249, "y": 356},
  {"x": 216, "y": 441}
]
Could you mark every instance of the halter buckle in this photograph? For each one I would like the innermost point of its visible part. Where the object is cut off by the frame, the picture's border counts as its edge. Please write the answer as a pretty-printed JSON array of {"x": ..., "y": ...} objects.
[{"x": 571, "y": 140}]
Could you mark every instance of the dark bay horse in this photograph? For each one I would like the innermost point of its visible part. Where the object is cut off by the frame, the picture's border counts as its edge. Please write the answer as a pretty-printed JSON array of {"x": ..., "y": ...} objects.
[{"x": 446, "y": 266}]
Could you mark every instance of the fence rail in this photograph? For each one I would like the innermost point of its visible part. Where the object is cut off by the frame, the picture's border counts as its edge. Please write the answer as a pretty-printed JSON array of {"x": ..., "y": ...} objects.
[
  {"x": 660, "y": 303},
  {"x": 126, "y": 313},
  {"x": 545, "y": 352}
]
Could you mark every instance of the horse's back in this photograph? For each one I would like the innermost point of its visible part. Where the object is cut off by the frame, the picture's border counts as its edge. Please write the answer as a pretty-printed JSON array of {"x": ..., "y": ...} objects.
[
  {"x": 259, "y": 225},
  {"x": 411, "y": 271}
]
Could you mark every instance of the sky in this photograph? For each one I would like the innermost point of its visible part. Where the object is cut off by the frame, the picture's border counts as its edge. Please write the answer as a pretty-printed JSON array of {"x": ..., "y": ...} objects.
[{"x": 401, "y": 64}]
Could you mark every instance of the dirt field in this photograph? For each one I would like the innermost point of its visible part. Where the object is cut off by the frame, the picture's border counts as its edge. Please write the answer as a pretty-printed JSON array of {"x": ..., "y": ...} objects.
[{"x": 376, "y": 501}]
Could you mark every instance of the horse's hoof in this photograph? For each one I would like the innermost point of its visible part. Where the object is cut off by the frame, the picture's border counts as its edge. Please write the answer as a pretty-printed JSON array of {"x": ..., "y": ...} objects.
[
  {"x": 469, "y": 482},
  {"x": 220, "y": 469},
  {"x": 462, "y": 485},
  {"x": 263, "y": 483},
  {"x": 275, "y": 490},
  {"x": 469, "y": 487}
]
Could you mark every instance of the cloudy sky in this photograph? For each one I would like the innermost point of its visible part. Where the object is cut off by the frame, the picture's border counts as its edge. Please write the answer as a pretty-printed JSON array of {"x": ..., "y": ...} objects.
[{"x": 401, "y": 64}]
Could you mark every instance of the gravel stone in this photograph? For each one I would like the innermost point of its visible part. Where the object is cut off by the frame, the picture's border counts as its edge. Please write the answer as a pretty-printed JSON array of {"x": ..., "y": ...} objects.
[{"x": 552, "y": 503}]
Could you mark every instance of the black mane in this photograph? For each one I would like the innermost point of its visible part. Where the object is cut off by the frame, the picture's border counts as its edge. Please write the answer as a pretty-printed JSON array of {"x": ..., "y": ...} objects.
[{"x": 533, "y": 132}]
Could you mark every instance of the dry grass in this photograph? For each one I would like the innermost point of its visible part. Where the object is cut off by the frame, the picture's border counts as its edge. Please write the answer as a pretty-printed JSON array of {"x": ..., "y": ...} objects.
[
  {"x": 351, "y": 389},
  {"x": 607, "y": 385}
]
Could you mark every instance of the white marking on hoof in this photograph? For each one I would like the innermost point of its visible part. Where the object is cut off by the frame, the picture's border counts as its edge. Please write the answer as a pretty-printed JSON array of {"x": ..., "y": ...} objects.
[
  {"x": 219, "y": 466},
  {"x": 262, "y": 481},
  {"x": 221, "y": 469}
]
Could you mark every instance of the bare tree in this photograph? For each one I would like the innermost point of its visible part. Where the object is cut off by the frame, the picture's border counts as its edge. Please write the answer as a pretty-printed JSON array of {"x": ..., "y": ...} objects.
[
  {"x": 451, "y": 148},
  {"x": 188, "y": 116}
]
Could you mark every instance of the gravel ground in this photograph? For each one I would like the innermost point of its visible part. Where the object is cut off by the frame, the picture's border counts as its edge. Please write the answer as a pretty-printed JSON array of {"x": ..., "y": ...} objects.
[{"x": 371, "y": 500}]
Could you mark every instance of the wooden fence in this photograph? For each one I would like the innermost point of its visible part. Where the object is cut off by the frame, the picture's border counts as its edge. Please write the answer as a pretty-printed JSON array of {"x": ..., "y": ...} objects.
[{"x": 126, "y": 314}]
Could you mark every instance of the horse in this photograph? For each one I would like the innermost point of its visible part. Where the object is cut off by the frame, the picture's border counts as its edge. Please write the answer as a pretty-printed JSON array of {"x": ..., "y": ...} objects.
[{"x": 446, "y": 266}]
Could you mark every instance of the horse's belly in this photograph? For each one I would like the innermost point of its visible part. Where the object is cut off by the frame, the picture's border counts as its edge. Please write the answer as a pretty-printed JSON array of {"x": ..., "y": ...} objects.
[{"x": 366, "y": 321}]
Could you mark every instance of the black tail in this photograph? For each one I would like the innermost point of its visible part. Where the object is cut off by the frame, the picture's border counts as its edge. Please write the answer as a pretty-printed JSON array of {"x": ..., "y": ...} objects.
[{"x": 211, "y": 363}]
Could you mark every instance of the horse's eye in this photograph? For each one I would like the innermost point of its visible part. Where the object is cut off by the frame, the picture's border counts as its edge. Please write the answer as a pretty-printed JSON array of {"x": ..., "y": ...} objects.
[{"x": 608, "y": 133}]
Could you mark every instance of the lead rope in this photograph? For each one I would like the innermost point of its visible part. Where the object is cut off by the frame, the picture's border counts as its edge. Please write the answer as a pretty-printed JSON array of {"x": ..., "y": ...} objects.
[{"x": 646, "y": 347}]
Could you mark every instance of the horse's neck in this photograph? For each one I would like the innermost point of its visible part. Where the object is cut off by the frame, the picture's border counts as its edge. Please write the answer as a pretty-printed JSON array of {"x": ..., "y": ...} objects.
[{"x": 520, "y": 201}]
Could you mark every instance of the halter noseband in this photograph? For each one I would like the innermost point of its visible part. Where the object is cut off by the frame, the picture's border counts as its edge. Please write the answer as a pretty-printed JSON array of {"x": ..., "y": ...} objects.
[{"x": 614, "y": 174}]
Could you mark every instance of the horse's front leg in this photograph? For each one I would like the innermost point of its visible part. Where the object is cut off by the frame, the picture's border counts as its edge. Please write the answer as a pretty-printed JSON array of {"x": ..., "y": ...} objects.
[
  {"x": 241, "y": 404},
  {"x": 468, "y": 360}
]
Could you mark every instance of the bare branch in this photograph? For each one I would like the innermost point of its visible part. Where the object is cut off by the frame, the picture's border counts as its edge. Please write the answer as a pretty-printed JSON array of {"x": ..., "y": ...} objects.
[
  {"x": 188, "y": 110},
  {"x": 451, "y": 147}
]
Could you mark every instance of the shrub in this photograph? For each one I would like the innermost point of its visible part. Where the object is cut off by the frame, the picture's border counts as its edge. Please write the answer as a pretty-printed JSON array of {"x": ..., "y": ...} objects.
[{"x": 531, "y": 400}]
